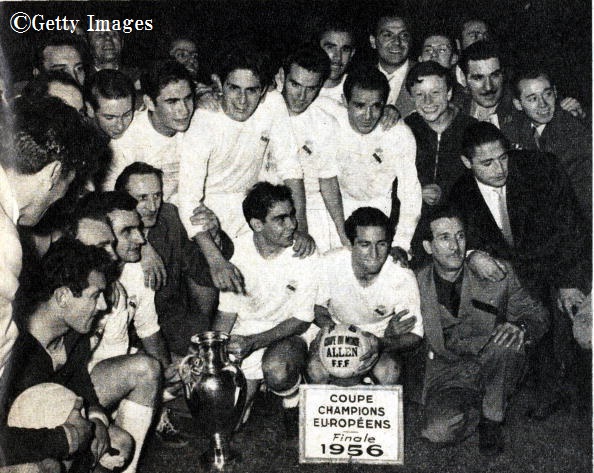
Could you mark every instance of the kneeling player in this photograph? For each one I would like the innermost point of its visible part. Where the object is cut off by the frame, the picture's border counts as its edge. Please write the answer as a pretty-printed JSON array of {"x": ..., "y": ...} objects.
[
  {"x": 379, "y": 298},
  {"x": 265, "y": 322}
]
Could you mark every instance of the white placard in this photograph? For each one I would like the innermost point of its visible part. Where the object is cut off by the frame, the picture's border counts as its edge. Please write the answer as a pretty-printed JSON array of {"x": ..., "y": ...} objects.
[{"x": 360, "y": 424}]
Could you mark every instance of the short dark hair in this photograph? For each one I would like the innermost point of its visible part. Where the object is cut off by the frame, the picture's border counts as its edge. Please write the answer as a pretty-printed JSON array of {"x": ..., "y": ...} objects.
[
  {"x": 366, "y": 77},
  {"x": 109, "y": 84},
  {"x": 137, "y": 167},
  {"x": 528, "y": 72},
  {"x": 425, "y": 69},
  {"x": 480, "y": 133},
  {"x": 161, "y": 74},
  {"x": 389, "y": 12},
  {"x": 311, "y": 57},
  {"x": 441, "y": 31},
  {"x": 336, "y": 24},
  {"x": 367, "y": 217},
  {"x": 61, "y": 39},
  {"x": 46, "y": 130},
  {"x": 440, "y": 211},
  {"x": 261, "y": 197},
  {"x": 243, "y": 55},
  {"x": 39, "y": 86},
  {"x": 479, "y": 51},
  {"x": 68, "y": 263},
  {"x": 88, "y": 207},
  {"x": 102, "y": 203},
  {"x": 463, "y": 20}
]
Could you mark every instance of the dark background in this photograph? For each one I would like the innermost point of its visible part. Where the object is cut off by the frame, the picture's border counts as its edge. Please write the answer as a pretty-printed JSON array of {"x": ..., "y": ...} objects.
[{"x": 556, "y": 32}]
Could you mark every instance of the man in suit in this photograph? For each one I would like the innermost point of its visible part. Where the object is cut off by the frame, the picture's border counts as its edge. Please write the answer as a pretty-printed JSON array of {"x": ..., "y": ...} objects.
[
  {"x": 518, "y": 205},
  {"x": 392, "y": 40},
  {"x": 543, "y": 125},
  {"x": 487, "y": 97},
  {"x": 476, "y": 331}
]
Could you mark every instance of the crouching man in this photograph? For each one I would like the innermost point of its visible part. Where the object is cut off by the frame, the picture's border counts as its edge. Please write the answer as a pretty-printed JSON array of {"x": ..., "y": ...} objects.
[
  {"x": 278, "y": 304},
  {"x": 476, "y": 331},
  {"x": 359, "y": 286}
]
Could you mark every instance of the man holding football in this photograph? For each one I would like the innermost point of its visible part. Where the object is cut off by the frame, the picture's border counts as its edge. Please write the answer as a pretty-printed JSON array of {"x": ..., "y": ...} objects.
[{"x": 359, "y": 287}]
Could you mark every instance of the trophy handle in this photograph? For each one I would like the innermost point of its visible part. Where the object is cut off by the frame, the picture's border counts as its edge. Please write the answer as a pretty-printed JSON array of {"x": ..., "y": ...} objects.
[{"x": 190, "y": 369}]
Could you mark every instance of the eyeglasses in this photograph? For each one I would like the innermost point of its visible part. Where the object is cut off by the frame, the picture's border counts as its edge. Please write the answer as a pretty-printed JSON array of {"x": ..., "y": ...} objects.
[{"x": 441, "y": 49}]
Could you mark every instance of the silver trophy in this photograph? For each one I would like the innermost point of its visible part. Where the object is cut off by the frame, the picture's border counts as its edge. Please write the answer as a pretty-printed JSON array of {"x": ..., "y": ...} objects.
[{"x": 215, "y": 390}]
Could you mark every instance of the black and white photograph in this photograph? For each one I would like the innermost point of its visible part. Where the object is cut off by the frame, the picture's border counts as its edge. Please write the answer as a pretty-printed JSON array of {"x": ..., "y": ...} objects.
[{"x": 319, "y": 236}]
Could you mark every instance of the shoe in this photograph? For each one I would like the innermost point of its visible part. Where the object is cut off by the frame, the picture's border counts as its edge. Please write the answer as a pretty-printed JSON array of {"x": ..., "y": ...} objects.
[
  {"x": 168, "y": 433},
  {"x": 291, "y": 421},
  {"x": 490, "y": 437}
]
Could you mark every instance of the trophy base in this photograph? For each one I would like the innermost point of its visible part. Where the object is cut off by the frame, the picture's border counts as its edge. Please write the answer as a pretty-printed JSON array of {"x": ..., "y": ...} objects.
[{"x": 219, "y": 457}]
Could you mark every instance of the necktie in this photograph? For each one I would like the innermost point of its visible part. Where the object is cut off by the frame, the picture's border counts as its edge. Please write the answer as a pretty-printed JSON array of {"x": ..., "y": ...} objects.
[
  {"x": 504, "y": 217},
  {"x": 536, "y": 136}
]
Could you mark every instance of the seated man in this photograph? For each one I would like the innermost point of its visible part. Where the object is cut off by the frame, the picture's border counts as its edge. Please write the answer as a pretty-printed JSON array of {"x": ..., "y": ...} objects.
[
  {"x": 476, "y": 331},
  {"x": 359, "y": 286},
  {"x": 128, "y": 383},
  {"x": 53, "y": 347},
  {"x": 545, "y": 126},
  {"x": 265, "y": 322},
  {"x": 225, "y": 152},
  {"x": 371, "y": 160},
  {"x": 187, "y": 302}
]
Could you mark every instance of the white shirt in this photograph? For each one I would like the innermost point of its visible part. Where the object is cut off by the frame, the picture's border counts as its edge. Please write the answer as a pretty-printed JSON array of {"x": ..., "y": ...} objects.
[
  {"x": 491, "y": 196},
  {"x": 141, "y": 142},
  {"x": 10, "y": 268},
  {"x": 315, "y": 132},
  {"x": 334, "y": 93},
  {"x": 370, "y": 308},
  {"x": 222, "y": 158},
  {"x": 396, "y": 79},
  {"x": 367, "y": 167},
  {"x": 277, "y": 288}
]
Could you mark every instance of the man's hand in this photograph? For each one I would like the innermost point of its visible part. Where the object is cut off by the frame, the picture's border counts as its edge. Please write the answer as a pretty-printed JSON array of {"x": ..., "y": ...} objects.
[
  {"x": 509, "y": 336},
  {"x": 206, "y": 220},
  {"x": 390, "y": 117},
  {"x": 371, "y": 357},
  {"x": 486, "y": 267},
  {"x": 227, "y": 277},
  {"x": 171, "y": 373},
  {"x": 399, "y": 256},
  {"x": 397, "y": 326},
  {"x": 101, "y": 441},
  {"x": 239, "y": 346},
  {"x": 209, "y": 101},
  {"x": 153, "y": 268},
  {"x": 83, "y": 427},
  {"x": 431, "y": 194},
  {"x": 571, "y": 105},
  {"x": 570, "y": 299},
  {"x": 303, "y": 244}
]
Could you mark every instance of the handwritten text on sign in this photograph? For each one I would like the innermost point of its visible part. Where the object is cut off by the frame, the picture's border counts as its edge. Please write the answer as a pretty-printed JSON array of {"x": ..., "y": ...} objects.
[{"x": 361, "y": 424}]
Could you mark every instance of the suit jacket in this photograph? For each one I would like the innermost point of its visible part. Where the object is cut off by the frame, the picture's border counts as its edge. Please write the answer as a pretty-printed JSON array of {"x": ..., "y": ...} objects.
[
  {"x": 483, "y": 304},
  {"x": 570, "y": 141},
  {"x": 505, "y": 109},
  {"x": 550, "y": 241}
]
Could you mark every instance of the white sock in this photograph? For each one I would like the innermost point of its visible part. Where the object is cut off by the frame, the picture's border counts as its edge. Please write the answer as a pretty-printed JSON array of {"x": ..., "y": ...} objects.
[{"x": 135, "y": 419}]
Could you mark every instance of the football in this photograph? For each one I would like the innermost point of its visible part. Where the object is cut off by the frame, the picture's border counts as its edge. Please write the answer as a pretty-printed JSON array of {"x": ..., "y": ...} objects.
[
  {"x": 341, "y": 349},
  {"x": 45, "y": 405}
]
